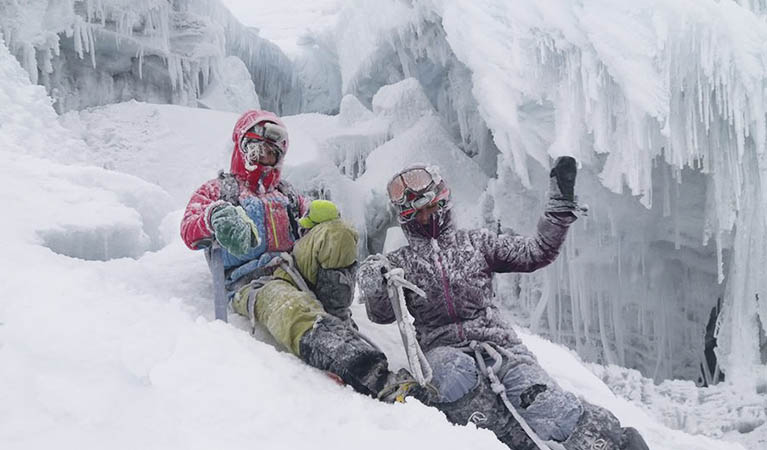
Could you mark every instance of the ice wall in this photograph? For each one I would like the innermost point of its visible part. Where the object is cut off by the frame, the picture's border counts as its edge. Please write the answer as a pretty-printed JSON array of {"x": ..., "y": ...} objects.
[
  {"x": 95, "y": 52},
  {"x": 381, "y": 43},
  {"x": 58, "y": 201},
  {"x": 661, "y": 101}
]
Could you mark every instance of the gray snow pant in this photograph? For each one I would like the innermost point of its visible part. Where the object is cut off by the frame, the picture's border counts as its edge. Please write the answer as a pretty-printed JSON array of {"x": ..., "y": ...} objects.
[{"x": 554, "y": 414}]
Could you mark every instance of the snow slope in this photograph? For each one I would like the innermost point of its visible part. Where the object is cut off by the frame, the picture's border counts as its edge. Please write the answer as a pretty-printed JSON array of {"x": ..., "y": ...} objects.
[{"x": 122, "y": 352}]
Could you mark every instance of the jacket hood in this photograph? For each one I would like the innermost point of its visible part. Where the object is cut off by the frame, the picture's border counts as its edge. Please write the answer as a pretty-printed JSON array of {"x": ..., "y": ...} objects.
[{"x": 264, "y": 177}]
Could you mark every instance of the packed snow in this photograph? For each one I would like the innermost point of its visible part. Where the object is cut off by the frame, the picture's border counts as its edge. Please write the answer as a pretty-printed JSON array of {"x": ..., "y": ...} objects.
[{"x": 660, "y": 100}]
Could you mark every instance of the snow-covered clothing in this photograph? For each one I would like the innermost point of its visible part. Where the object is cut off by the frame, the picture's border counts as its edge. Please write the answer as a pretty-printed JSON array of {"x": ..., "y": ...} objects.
[
  {"x": 550, "y": 411},
  {"x": 312, "y": 323},
  {"x": 271, "y": 204},
  {"x": 233, "y": 229},
  {"x": 455, "y": 269}
]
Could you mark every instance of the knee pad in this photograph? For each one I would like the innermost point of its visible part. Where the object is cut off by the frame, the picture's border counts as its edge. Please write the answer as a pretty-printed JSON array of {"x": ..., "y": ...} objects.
[
  {"x": 550, "y": 411},
  {"x": 335, "y": 290},
  {"x": 454, "y": 373}
]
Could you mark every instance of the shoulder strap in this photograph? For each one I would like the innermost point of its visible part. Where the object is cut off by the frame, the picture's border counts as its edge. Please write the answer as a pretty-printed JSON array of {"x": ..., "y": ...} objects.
[
  {"x": 294, "y": 210},
  {"x": 230, "y": 188}
]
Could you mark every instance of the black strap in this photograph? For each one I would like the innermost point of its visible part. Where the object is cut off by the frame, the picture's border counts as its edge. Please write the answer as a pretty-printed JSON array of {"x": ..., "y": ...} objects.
[
  {"x": 230, "y": 188},
  {"x": 294, "y": 210}
]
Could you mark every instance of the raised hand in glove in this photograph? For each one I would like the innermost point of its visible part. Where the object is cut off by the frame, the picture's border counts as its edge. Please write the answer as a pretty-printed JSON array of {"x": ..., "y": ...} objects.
[
  {"x": 562, "y": 179},
  {"x": 233, "y": 229}
]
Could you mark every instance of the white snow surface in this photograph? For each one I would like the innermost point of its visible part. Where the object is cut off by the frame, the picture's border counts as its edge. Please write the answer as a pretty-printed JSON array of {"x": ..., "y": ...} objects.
[{"x": 102, "y": 349}]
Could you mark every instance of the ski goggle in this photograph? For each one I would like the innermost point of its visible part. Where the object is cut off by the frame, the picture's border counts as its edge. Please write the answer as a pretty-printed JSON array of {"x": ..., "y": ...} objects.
[
  {"x": 262, "y": 140},
  {"x": 415, "y": 189},
  {"x": 411, "y": 184},
  {"x": 268, "y": 131},
  {"x": 254, "y": 151}
]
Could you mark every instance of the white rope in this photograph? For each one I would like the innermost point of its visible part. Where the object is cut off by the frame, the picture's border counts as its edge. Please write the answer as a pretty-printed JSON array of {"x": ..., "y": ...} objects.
[{"x": 500, "y": 389}]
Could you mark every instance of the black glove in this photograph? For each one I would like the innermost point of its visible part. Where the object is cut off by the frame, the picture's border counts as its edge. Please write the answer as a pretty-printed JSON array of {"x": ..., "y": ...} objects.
[{"x": 562, "y": 179}]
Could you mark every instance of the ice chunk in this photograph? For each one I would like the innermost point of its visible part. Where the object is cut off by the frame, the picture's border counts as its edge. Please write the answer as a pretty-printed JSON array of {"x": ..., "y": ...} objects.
[
  {"x": 233, "y": 91},
  {"x": 402, "y": 104}
]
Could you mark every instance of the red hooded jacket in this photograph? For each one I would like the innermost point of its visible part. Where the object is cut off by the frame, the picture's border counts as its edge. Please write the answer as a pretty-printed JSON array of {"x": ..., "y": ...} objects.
[{"x": 258, "y": 194}]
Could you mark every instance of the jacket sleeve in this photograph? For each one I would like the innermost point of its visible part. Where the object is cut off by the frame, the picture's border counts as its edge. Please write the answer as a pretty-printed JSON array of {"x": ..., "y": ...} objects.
[
  {"x": 515, "y": 253},
  {"x": 195, "y": 226},
  {"x": 372, "y": 288}
]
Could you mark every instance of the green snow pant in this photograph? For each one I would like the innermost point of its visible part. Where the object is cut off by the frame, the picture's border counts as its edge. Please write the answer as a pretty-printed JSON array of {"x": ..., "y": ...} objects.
[{"x": 286, "y": 311}]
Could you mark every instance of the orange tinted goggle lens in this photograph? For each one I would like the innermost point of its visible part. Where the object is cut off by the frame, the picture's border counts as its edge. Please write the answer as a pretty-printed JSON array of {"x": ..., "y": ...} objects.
[
  {"x": 415, "y": 180},
  {"x": 396, "y": 189}
]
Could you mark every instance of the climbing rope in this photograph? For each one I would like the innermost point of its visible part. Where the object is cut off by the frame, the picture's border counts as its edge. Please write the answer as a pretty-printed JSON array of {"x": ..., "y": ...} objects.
[{"x": 495, "y": 384}]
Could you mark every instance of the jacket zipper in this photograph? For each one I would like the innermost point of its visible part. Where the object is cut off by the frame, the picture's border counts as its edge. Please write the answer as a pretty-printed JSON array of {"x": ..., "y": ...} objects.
[
  {"x": 446, "y": 290},
  {"x": 274, "y": 230}
]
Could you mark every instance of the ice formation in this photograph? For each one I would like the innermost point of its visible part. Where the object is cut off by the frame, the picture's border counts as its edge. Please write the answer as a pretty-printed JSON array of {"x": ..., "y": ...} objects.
[
  {"x": 80, "y": 211},
  {"x": 663, "y": 104},
  {"x": 95, "y": 52},
  {"x": 79, "y": 337}
]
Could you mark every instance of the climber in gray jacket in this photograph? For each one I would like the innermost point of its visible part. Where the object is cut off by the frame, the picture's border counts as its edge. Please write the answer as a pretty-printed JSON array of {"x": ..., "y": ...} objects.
[{"x": 474, "y": 354}]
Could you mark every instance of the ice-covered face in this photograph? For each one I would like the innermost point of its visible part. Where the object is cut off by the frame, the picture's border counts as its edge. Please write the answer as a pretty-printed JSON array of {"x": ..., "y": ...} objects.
[
  {"x": 256, "y": 152},
  {"x": 261, "y": 145},
  {"x": 423, "y": 215}
]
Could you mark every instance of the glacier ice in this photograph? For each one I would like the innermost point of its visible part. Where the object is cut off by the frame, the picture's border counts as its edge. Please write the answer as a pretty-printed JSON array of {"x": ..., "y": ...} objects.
[
  {"x": 663, "y": 102},
  {"x": 71, "y": 208},
  {"x": 95, "y": 52}
]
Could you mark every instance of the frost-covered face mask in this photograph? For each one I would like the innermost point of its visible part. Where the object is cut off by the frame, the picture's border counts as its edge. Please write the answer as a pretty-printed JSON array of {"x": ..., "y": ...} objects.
[
  {"x": 417, "y": 188},
  {"x": 263, "y": 145}
]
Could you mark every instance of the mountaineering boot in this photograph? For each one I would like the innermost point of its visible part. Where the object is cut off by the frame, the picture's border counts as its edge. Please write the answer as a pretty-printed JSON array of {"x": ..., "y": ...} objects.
[
  {"x": 335, "y": 347},
  {"x": 402, "y": 384},
  {"x": 597, "y": 429},
  {"x": 632, "y": 440}
]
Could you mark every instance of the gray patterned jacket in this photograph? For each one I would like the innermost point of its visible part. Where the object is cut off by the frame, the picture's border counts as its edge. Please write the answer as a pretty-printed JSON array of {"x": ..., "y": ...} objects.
[{"x": 455, "y": 270}]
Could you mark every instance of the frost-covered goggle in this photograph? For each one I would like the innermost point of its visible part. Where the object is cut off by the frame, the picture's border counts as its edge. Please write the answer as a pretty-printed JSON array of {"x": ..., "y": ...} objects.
[
  {"x": 416, "y": 188},
  {"x": 261, "y": 140}
]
